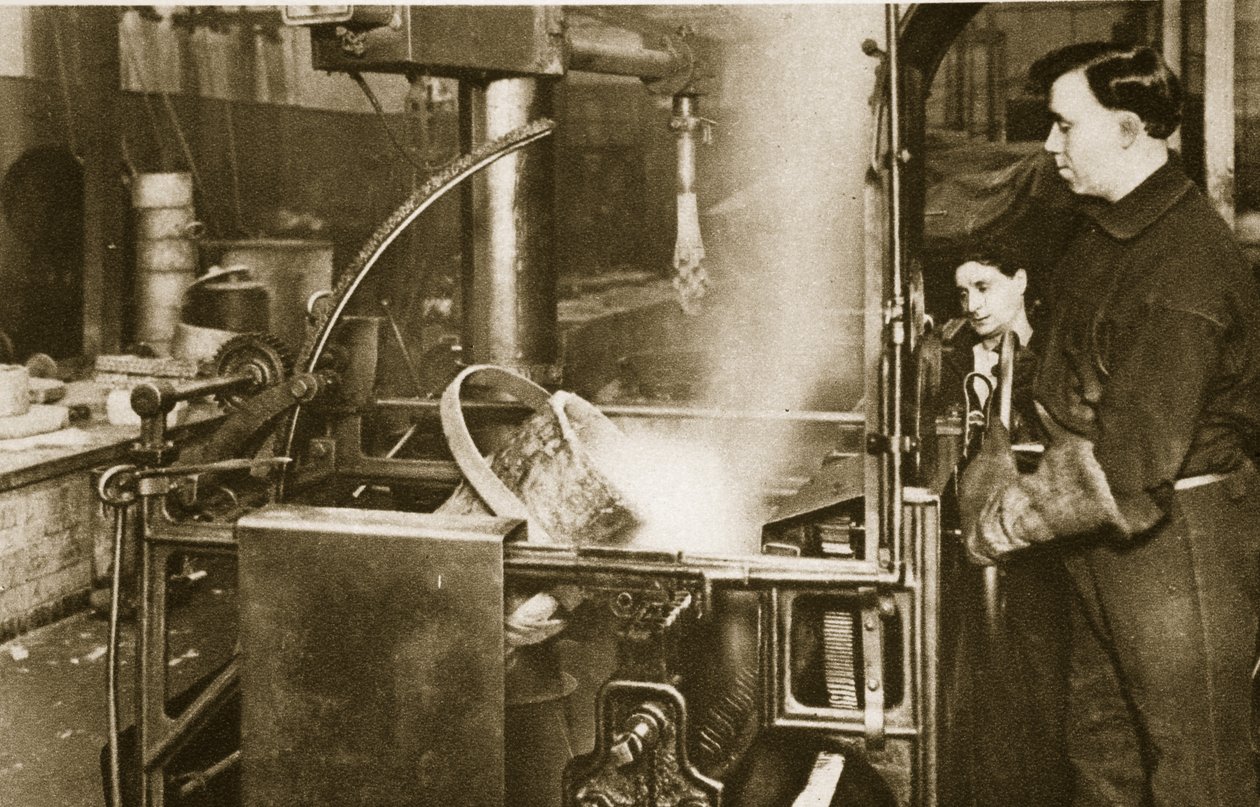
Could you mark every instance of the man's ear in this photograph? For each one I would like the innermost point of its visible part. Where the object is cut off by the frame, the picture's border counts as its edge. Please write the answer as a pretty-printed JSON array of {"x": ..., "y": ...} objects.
[
  {"x": 1131, "y": 127},
  {"x": 1021, "y": 279}
]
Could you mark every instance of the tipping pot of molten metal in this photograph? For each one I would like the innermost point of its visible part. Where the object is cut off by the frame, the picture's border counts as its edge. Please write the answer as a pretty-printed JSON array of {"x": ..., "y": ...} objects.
[{"x": 558, "y": 472}]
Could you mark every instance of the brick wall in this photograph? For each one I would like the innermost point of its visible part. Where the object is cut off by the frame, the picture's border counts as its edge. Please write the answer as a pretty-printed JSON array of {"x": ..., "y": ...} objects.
[{"x": 49, "y": 533}]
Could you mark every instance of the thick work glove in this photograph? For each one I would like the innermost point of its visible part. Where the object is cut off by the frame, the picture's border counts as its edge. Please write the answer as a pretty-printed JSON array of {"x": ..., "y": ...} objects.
[
  {"x": 1068, "y": 495},
  {"x": 990, "y": 471}
]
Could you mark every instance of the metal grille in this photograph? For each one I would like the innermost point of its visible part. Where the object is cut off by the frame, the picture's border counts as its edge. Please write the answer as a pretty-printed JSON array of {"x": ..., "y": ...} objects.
[{"x": 840, "y": 660}]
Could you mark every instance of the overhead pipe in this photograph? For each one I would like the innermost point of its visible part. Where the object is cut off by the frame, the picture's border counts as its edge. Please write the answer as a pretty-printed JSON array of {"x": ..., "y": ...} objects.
[
  {"x": 665, "y": 61},
  {"x": 597, "y": 50}
]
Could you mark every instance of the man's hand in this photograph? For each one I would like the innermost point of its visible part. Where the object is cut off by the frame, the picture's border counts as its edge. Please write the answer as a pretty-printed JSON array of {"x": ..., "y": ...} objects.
[{"x": 988, "y": 473}]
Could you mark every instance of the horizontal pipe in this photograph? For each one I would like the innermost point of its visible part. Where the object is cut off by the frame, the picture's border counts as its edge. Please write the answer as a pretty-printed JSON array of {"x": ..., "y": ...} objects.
[
  {"x": 159, "y": 397},
  {"x": 209, "y": 537},
  {"x": 849, "y": 726},
  {"x": 378, "y": 470},
  {"x": 854, "y": 419},
  {"x": 622, "y": 53},
  {"x": 754, "y": 571}
]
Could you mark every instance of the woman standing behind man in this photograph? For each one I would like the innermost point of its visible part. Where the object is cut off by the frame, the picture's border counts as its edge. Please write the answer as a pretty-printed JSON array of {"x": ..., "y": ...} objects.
[
  {"x": 1008, "y": 686},
  {"x": 992, "y": 287}
]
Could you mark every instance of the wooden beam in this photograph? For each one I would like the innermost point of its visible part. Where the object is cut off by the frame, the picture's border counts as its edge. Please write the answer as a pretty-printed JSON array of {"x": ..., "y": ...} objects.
[
  {"x": 104, "y": 199},
  {"x": 1218, "y": 105}
]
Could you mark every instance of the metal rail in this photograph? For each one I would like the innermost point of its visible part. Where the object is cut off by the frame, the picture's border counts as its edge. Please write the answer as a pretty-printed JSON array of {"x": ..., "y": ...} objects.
[{"x": 853, "y": 419}]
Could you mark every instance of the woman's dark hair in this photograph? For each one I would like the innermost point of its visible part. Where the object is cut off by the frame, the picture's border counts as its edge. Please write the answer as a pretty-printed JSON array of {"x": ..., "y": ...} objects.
[
  {"x": 1008, "y": 259},
  {"x": 989, "y": 253},
  {"x": 1133, "y": 78}
]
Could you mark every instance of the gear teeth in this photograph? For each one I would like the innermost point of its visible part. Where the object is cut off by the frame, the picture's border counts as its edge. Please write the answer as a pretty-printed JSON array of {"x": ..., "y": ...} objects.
[{"x": 268, "y": 354}]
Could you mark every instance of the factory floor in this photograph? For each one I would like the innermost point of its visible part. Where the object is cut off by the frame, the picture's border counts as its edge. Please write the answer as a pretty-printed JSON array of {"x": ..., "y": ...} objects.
[{"x": 52, "y": 691}]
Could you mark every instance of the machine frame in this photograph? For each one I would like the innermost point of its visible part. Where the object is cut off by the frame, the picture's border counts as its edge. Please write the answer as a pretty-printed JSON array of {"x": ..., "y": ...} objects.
[{"x": 895, "y": 583}]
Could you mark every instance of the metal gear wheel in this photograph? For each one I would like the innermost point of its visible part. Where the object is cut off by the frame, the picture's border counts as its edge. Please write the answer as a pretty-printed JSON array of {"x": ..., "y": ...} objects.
[{"x": 263, "y": 356}]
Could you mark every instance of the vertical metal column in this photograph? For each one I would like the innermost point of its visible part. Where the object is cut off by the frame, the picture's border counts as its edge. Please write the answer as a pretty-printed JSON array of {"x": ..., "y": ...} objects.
[
  {"x": 509, "y": 286},
  {"x": 1218, "y": 106}
]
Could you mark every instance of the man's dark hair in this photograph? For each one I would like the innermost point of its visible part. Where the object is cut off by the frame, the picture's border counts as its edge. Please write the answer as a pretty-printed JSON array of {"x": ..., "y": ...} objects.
[{"x": 1129, "y": 77}]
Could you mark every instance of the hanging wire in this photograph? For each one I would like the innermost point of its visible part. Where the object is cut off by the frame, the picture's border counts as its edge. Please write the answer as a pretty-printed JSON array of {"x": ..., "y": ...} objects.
[
  {"x": 170, "y": 110},
  {"x": 380, "y": 114},
  {"x": 234, "y": 165},
  {"x": 125, "y": 151},
  {"x": 148, "y": 103},
  {"x": 64, "y": 74}
]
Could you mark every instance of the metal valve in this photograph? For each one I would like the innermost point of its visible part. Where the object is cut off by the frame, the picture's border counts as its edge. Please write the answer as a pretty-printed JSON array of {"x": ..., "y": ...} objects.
[{"x": 641, "y": 732}]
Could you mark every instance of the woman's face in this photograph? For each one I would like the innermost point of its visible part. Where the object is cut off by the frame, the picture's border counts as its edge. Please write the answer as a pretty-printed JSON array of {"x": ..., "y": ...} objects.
[{"x": 991, "y": 300}]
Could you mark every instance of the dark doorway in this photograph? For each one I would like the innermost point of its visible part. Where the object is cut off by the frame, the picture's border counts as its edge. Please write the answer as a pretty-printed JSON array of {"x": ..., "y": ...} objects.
[{"x": 41, "y": 197}]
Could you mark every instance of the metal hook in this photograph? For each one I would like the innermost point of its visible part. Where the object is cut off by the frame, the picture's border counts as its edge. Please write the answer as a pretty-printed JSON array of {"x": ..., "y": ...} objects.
[
  {"x": 116, "y": 486},
  {"x": 975, "y": 410}
]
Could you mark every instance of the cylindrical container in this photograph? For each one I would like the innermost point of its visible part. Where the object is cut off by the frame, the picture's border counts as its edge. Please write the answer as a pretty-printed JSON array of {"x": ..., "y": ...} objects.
[
  {"x": 291, "y": 269},
  {"x": 158, "y": 296},
  {"x": 15, "y": 390},
  {"x": 560, "y": 468},
  {"x": 157, "y": 223},
  {"x": 166, "y": 254},
  {"x": 195, "y": 343},
  {"x": 162, "y": 189},
  {"x": 230, "y": 305}
]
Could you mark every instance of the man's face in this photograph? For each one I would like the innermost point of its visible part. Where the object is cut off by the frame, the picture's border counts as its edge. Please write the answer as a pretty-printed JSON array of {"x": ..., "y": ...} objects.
[
  {"x": 1086, "y": 139},
  {"x": 991, "y": 300}
]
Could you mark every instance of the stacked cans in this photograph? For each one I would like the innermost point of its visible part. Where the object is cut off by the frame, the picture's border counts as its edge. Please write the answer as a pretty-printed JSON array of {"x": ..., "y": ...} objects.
[{"x": 166, "y": 254}]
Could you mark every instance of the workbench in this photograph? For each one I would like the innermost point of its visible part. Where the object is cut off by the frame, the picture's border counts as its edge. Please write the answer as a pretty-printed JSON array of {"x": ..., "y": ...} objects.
[{"x": 55, "y": 541}]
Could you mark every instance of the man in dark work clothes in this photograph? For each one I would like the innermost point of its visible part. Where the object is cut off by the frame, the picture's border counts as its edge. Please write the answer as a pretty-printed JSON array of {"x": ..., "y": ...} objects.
[{"x": 1149, "y": 394}]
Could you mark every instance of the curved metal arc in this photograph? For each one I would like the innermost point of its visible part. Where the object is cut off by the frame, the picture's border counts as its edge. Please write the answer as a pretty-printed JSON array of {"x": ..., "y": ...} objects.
[
  {"x": 523, "y": 137},
  {"x": 452, "y": 175}
]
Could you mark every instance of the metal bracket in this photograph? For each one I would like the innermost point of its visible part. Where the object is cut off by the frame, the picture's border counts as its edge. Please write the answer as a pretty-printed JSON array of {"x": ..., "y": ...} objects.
[
  {"x": 883, "y": 444},
  {"x": 873, "y": 668}
]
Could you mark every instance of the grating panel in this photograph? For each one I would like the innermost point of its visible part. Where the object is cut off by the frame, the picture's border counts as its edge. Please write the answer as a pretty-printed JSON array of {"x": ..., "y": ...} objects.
[{"x": 840, "y": 660}]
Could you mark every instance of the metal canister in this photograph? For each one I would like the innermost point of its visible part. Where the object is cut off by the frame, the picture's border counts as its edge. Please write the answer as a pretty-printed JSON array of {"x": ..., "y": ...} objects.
[
  {"x": 166, "y": 254},
  {"x": 230, "y": 304},
  {"x": 291, "y": 269}
]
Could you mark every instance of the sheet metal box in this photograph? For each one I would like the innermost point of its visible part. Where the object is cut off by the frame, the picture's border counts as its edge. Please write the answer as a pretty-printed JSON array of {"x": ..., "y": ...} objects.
[{"x": 372, "y": 648}]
